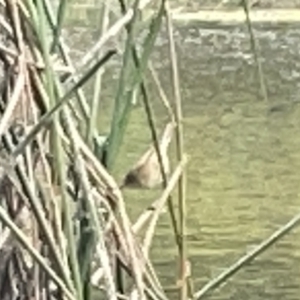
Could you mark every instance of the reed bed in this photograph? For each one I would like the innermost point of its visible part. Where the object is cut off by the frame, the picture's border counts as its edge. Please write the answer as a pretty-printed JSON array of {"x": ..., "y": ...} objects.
[{"x": 65, "y": 231}]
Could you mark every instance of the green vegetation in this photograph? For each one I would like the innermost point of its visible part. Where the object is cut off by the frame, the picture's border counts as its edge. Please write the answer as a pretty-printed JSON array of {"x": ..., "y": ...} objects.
[{"x": 66, "y": 232}]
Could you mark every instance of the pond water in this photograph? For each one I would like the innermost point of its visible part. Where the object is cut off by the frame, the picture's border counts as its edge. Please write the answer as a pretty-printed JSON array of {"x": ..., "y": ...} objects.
[{"x": 244, "y": 173}]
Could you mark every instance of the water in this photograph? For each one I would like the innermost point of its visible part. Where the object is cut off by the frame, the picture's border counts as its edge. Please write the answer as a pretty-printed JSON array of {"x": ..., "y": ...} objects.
[{"x": 243, "y": 178}]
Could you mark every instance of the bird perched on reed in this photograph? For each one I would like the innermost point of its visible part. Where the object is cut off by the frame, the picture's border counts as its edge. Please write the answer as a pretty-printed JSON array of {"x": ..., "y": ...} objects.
[{"x": 146, "y": 172}]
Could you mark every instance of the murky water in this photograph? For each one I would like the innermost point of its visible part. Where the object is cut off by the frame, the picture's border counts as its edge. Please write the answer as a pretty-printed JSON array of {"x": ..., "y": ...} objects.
[{"x": 244, "y": 174}]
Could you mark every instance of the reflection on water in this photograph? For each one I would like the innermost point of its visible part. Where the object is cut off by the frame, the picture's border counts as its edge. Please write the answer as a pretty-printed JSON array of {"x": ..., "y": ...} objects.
[{"x": 243, "y": 181}]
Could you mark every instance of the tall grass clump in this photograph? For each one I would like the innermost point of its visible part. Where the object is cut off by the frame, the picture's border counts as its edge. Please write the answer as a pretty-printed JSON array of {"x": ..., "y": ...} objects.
[{"x": 65, "y": 232}]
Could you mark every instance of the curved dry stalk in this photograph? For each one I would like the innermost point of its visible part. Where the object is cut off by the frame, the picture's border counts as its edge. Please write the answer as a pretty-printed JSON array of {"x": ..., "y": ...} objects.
[
  {"x": 161, "y": 92},
  {"x": 5, "y": 25},
  {"x": 34, "y": 253},
  {"x": 180, "y": 150},
  {"x": 18, "y": 88},
  {"x": 111, "y": 32},
  {"x": 13, "y": 12},
  {"x": 160, "y": 204}
]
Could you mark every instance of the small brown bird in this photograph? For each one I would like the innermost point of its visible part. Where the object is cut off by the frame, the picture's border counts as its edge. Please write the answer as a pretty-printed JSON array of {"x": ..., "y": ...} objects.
[{"x": 146, "y": 172}]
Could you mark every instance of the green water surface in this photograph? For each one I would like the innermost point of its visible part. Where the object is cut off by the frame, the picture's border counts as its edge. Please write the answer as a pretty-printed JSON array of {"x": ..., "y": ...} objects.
[{"x": 244, "y": 172}]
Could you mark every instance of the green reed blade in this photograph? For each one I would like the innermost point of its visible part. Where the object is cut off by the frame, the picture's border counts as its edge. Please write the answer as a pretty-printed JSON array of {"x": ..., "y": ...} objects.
[{"x": 44, "y": 121}]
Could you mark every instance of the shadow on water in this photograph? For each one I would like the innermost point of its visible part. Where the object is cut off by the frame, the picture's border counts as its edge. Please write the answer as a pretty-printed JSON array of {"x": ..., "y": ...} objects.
[{"x": 243, "y": 181}]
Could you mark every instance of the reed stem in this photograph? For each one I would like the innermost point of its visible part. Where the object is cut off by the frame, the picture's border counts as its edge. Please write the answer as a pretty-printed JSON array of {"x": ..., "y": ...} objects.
[{"x": 180, "y": 152}]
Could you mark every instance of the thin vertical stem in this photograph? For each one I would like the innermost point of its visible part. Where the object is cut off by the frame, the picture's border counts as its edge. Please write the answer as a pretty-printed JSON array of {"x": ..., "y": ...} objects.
[
  {"x": 98, "y": 80},
  {"x": 180, "y": 148},
  {"x": 61, "y": 12},
  {"x": 255, "y": 49},
  {"x": 56, "y": 147}
]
